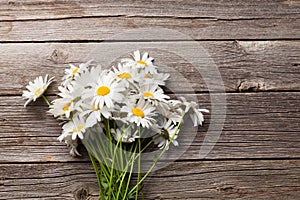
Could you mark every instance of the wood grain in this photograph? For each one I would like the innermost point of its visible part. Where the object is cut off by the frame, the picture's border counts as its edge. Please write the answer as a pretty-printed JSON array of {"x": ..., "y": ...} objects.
[
  {"x": 110, "y": 28},
  {"x": 55, "y": 9},
  {"x": 276, "y": 179},
  {"x": 201, "y": 20},
  {"x": 258, "y": 125},
  {"x": 243, "y": 65}
]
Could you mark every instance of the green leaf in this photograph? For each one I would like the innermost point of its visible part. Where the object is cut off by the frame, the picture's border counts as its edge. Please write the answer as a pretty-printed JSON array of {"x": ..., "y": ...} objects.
[{"x": 104, "y": 183}]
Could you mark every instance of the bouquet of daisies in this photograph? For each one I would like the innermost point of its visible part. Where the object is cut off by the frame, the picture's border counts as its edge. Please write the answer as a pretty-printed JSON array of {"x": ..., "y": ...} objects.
[{"x": 117, "y": 114}]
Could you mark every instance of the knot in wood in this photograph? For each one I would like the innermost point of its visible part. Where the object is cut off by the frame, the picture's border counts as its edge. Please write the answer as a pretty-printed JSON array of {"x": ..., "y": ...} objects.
[
  {"x": 58, "y": 57},
  {"x": 81, "y": 193}
]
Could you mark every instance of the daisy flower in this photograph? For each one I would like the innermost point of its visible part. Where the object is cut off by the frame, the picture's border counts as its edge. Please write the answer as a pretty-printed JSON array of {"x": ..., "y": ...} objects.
[
  {"x": 76, "y": 127},
  {"x": 193, "y": 109},
  {"x": 87, "y": 77},
  {"x": 93, "y": 114},
  {"x": 36, "y": 89},
  {"x": 168, "y": 132},
  {"x": 144, "y": 62},
  {"x": 126, "y": 74},
  {"x": 72, "y": 144},
  {"x": 153, "y": 93},
  {"x": 73, "y": 72},
  {"x": 106, "y": 91},
  {"x": 141, "y": 113},
  {"x": 159, "y": 78},
  {"x": 167, "y": 111},
  {"x": 66, "y": 104},
  {"x": 61, "y": 107}
]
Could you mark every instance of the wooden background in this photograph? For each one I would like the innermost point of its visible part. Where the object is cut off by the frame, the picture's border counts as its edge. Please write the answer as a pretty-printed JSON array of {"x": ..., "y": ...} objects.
[{"x": 256, "y": 46}]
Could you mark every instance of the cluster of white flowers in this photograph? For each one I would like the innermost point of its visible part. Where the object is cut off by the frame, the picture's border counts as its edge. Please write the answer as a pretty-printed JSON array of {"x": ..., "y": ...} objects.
[{"x": 129, "y": 94}]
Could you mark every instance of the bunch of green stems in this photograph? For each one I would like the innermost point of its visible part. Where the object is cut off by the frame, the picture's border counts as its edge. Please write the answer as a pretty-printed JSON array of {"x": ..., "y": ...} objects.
[{"x": 114, "y": 163}]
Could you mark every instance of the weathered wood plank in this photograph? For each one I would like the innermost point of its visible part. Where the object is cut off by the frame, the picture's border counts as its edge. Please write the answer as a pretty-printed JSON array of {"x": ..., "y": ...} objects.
[
  {"x": 198, "y": 19},
  {"x": 244, "y": 65},
  {"x": 47, "y": 181},
  {"x": 258, "y": 125},
  {"x": 98, "y": 29},
  {"x": 227, "y": 180},
  {"x": 276, "y": 179},
  {"x": 55, "y": 9}
]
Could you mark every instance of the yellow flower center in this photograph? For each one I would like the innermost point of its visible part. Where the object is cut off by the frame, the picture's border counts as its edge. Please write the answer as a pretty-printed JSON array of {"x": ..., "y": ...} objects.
[
  {"x": 148, "y": 94},
  {"x": 67, "y": 107},
  {"x": 79, "y": 128},
  {"x": 147, "y": 76},
  {"x": 74, "y": 72},
  {"x": 141, "y": 62},
  {"x": 125, "y": 75},
  {"x": 37, "y": 92},
  {"x": 103, "y": 90},
  {"x": 165, "y": 134},
  {"x": 138, "y": 112}
]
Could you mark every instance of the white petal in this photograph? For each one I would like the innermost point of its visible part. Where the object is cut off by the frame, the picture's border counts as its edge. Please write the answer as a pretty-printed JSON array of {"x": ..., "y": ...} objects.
[
  {"x": 91, "y": 120},
  {"x": 74, "y": 135},
  {"x": 80, "y": 135},
  {"x": 145, "y": 56},
  {"x": 27, "y": 102},
  {"x": 137, "y": 55}
]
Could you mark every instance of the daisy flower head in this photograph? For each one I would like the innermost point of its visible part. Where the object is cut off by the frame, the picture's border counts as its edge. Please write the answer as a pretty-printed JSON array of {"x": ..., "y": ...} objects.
[
  {"x": 159, "y": 78},
  {"x": 74, "y": 72},
  {"x": 194, "y": 112},
  {"x": 142, "y": 113},
  {"x": 169, "y": 132},
  {"x": 141, "y": 62},
  {"x": 93, "y": 114},
  {"x": 126, "y": 74},
  {"x": 168, "y": 112},
  {"x": 36, "y": 89},
  {"x": 106, "y": 91},
  {"x": 153, "y": 93},
  {"x": 171, "y": 110},
  {"x": 76, "y": 127},
  {"x": 83, "y": 80},
  {"x": 66, "y": 104},
  {"x": 71, "y": 144},
  {"x": 61, "y": 107},
  {"x": 88, "y": 77}
]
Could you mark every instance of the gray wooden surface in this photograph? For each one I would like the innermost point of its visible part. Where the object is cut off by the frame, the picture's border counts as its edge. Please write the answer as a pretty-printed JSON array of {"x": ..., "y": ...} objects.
[{"x": 255, "y": 45}]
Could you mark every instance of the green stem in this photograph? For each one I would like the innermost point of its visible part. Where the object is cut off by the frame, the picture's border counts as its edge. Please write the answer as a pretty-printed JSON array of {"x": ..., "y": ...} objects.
[
  {"x": 97, "y": 173},
  {"x": 46, "y": 100},
  {"x": 139, "y": 165},
  {"x": 130, "y": 173},
  {"x": 159, "y": 157},
  {"x": 112, "y": 165},
  {"x": 112, "y": 157}
]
